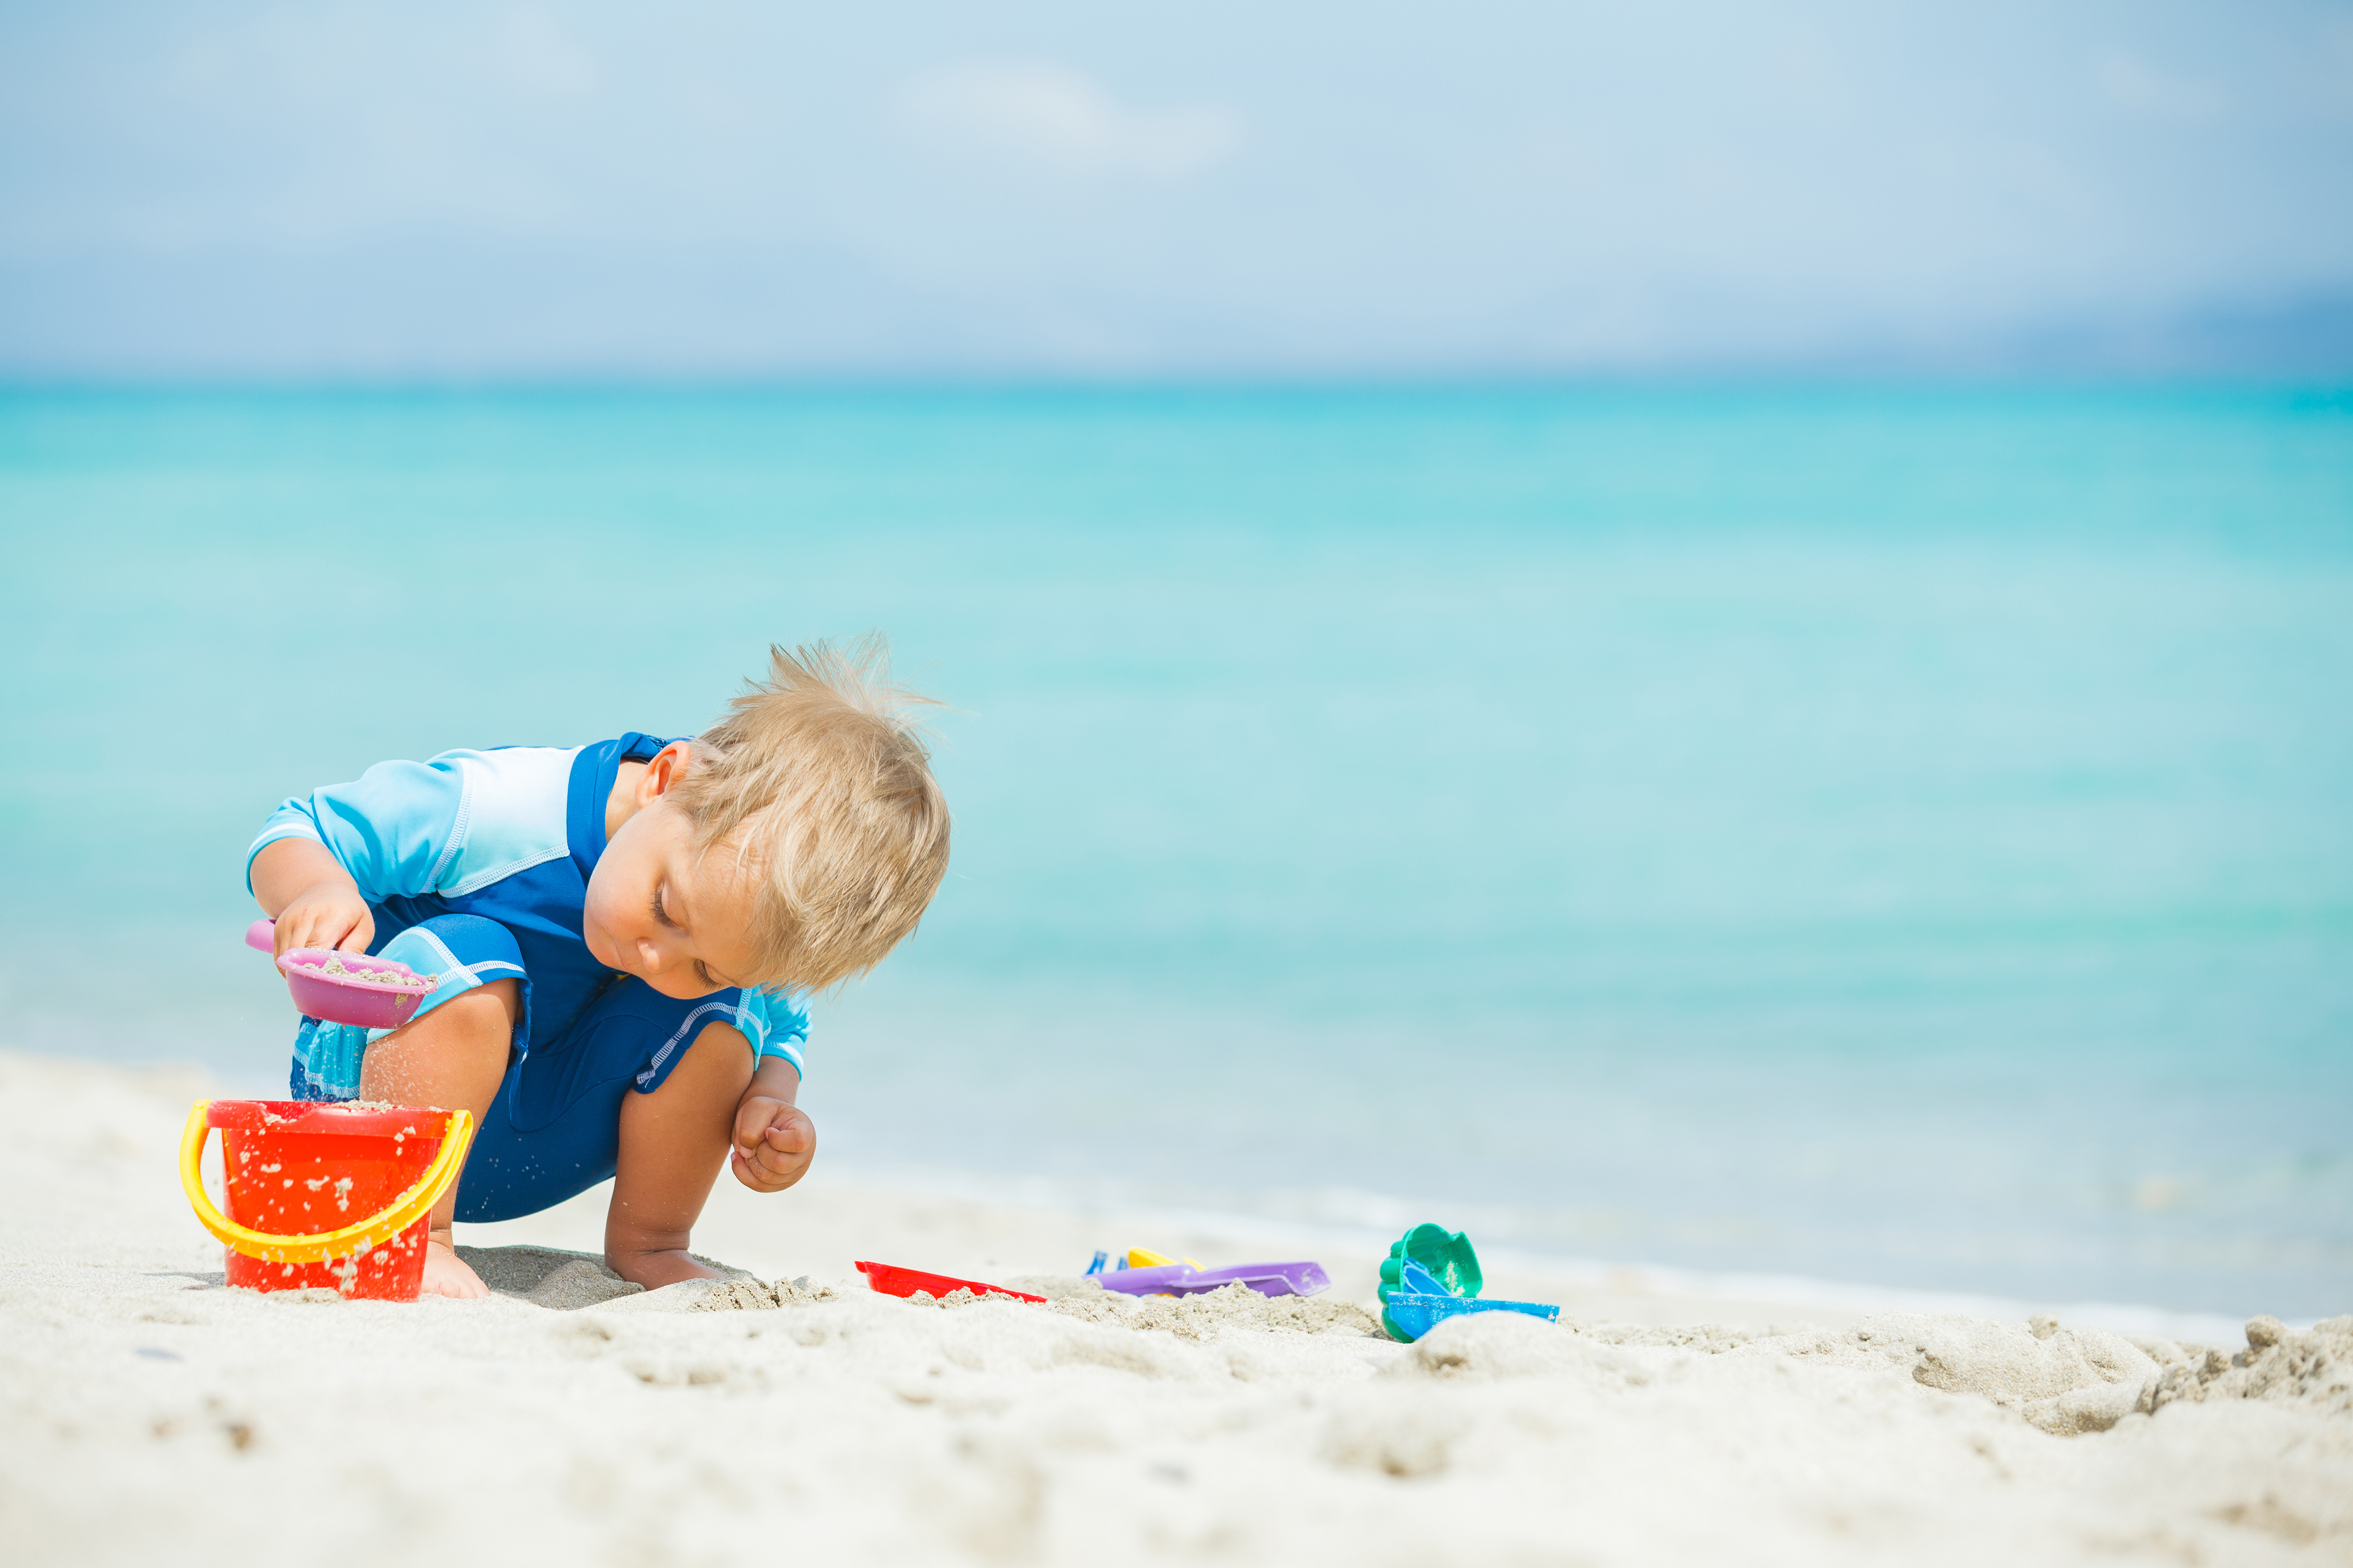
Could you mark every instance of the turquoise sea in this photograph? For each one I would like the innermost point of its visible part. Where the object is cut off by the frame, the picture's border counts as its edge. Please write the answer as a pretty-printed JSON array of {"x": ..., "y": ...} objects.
[{"x": 1900, "y": 835}]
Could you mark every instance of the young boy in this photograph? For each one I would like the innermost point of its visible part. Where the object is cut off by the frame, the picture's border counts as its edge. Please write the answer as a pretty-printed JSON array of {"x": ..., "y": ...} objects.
[{"x": 618, "y": 927}]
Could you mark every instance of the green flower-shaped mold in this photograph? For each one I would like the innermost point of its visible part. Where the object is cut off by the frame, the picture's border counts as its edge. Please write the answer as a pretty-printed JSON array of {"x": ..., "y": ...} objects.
[{"x": 1447, "y": 1253}]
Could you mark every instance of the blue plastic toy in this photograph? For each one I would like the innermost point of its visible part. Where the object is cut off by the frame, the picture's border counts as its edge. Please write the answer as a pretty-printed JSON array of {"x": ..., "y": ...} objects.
[
  {"x": 1416, "y": 1280},
  {"x": 1411, "y": 1317},
  {"x": 1433, "y": 1274}
]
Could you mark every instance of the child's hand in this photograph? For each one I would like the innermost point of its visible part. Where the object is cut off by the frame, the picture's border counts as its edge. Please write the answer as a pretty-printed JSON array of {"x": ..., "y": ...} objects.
[
  {"x": 775, "y": 1142},
  {"x": 312, "y": 897},
  {"x": 325, "y": 915}
]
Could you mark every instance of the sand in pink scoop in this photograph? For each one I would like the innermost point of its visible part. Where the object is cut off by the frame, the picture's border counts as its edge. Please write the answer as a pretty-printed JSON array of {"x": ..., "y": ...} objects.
[{"x": 344, "y": 987}]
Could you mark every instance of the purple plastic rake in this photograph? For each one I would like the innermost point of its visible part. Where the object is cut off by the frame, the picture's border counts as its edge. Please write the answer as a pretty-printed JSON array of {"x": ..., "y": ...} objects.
[{"x": 1183, "y": 1280}]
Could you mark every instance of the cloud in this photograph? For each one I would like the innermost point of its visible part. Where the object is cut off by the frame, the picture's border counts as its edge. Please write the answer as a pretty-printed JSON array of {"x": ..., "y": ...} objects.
[
  {"x": 1052, "y": 117},
  {"x": 2130, "y": 82}
]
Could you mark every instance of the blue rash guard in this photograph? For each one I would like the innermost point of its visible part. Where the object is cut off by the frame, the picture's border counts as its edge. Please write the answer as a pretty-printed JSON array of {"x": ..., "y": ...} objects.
[{"x": 476, "y": 866}]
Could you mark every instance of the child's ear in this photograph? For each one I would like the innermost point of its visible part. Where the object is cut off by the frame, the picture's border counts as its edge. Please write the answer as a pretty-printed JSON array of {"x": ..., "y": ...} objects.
[{"x": 665, "y": 768}]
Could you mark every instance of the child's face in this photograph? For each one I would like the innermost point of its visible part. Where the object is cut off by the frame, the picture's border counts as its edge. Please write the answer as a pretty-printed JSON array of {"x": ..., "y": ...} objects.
[{"x": 676, "y": 919}]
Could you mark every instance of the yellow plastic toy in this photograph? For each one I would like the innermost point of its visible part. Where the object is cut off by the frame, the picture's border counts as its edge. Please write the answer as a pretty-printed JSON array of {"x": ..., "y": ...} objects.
[{"x": 1138, "y": 1258}]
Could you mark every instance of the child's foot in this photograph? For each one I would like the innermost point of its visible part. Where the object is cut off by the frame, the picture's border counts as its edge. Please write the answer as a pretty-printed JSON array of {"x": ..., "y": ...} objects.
[
  {"x": 447, "y": 1274},
  {"x": 655, "y": 1269}
]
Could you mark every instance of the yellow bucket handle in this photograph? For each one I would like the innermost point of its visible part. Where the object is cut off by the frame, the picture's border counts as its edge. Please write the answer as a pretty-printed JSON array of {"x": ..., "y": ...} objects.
[{"x": 368, "y": 1234}]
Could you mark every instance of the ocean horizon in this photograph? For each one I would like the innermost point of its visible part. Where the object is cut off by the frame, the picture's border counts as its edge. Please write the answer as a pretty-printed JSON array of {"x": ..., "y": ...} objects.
[{"x": 1890, "y": 833}]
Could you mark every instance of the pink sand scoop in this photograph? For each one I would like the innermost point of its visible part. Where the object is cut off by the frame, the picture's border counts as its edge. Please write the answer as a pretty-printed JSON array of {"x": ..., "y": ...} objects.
[{"x": 344, "y": 987}]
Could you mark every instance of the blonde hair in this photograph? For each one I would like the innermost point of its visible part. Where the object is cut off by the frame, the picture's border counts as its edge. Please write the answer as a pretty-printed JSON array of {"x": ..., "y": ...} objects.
[{"x": 843, "y": 829}]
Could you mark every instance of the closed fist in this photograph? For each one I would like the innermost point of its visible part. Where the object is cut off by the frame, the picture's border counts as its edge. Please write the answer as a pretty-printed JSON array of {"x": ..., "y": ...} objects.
[{"x": 774, "y": 1143}]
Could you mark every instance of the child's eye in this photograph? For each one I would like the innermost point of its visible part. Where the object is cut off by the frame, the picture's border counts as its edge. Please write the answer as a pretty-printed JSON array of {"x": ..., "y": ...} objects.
[
  {"x": 661, "y": 915},
  {"x": 703, "y": 970}
]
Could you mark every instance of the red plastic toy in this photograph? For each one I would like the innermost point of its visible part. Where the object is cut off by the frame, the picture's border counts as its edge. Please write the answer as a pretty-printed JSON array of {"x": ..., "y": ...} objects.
[
  {"x": 333, "y": 1195},
  {"x": 893, "y": 1281}
]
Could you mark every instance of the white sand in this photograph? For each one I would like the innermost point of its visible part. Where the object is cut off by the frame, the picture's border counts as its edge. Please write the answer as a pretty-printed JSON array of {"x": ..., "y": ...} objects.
[{"x": 148, "y": 1416}]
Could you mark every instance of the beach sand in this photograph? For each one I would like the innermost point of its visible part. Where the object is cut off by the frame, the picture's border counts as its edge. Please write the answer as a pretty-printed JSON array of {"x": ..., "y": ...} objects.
[{"x": 148, "y": 1414}]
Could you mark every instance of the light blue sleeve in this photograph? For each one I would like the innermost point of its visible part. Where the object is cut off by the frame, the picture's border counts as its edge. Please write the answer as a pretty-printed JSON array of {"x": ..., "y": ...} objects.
[
  {"x": 776, "y": 1026},
  {"x": 396, "y": 828}
]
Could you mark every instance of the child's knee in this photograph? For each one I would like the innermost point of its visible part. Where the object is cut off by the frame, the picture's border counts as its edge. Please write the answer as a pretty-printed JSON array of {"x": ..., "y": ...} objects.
[
  {"x": 713, "y": 1070},
  {"x": 464, "y": 1027},
  {"x": 694, "y": 1106},
  {"x": 485, "y": 1014},
  {"x": 506, "y": 994},
  {"x": 454, "y": 1055},
  {"x": 719, "y": 1064}
]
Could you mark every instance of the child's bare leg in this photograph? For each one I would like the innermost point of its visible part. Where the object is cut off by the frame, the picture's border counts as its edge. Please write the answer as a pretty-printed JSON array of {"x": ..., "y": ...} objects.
[
  {"x": 454, "y": 1057},
  {"x": 674, "y": 1143}
]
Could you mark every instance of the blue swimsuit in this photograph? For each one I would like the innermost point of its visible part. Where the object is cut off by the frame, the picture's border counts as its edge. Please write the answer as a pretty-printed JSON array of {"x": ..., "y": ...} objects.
[{"x": 475, "y": 865}]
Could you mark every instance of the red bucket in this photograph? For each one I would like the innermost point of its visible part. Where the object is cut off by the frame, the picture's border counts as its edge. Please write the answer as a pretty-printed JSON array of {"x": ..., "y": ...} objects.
[{"x": 326, "y": 1195}]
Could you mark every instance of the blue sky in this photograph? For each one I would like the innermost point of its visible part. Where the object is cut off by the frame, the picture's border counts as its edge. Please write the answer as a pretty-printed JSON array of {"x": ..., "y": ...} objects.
[{"x": 695, "y": 189}]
